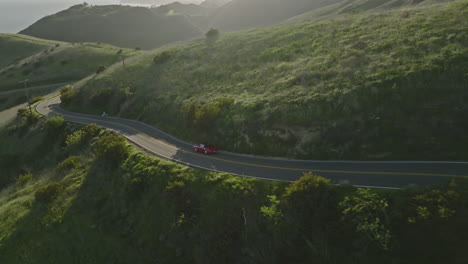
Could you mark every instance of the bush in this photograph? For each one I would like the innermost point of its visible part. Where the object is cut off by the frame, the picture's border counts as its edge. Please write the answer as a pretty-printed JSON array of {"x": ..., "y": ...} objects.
[
  {"x": 212, "y": 36},
  {"x": 35, "y": 100},
  {"x": 55, "y": 124},
  {"x": 212, "y": 33},
  {"x": 23, "y": 179},
  {"x": 101, "y": 97},
  {"x": 162, "y": 57},
  {"x": 65, "y": 89},
  {"x": 48, "y": 193},
  {"x": 112, "y": 148},
  {"x": 100, "y": 69},
  {"x": 67, "y": 96},
  {"x": 69, "y": 164},
  {"x": 136, "y": 188}
]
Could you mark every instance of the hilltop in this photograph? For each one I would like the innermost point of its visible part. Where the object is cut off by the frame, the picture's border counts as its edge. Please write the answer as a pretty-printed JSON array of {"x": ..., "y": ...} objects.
[
  {"x": 123, "y": 26},
  {"x": 379, "y": 86}
]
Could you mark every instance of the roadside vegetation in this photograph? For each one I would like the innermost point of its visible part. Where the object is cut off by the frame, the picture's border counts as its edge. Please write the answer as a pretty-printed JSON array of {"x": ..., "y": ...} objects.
[
  {"x": 391, "y": 85},
  {"x": 79, "y": 194},
  {"x": 44, "y": 62}
]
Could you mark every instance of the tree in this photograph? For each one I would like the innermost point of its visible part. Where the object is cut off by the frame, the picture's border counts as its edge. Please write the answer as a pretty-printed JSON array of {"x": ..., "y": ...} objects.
[
  {"x": 368, "y": 213},
  {"x": 211, "y": 37},
  {"x": 112, "y": 148},
  {"x": 434, "y": 204}
]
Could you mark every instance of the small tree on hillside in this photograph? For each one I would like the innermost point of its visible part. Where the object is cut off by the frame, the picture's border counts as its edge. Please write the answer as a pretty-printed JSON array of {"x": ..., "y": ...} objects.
[{"x": 211, "y": 37}]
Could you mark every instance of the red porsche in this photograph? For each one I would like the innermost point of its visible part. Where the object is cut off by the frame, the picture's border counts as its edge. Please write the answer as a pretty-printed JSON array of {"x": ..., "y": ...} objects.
[{"x": 205, "y": 148}]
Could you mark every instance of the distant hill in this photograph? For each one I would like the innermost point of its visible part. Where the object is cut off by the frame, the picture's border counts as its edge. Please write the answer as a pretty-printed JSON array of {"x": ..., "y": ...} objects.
[
  {"x": 214, "y": 3},
  {"x": 122, "y": 26}
]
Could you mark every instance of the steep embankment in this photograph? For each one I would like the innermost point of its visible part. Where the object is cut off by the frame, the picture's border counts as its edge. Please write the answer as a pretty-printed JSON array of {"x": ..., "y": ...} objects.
[
  {"x": 122, "y": 26},
  {"x": 46, "y": 62},
  {"x": 71, "y": 194},
  {"x": 382, "y": 86}
]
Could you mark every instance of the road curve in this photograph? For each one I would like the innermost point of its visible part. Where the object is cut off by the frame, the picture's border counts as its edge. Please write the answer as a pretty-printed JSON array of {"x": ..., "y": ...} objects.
[{"x": 380, "y": 174}]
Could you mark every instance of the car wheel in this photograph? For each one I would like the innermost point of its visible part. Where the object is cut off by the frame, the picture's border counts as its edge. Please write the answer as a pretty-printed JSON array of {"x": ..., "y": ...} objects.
[
  {"x": 195, "y": 149},
  {"x": 206, "y": 152}
]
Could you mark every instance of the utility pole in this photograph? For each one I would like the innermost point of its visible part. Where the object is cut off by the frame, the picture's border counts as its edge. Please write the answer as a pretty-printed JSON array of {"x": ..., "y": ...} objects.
[{"x": 25, "y": 82}]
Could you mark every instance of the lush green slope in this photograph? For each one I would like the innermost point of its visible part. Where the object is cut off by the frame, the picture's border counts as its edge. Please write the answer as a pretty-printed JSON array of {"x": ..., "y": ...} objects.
[
  {"x": 46, "y": 62},
  {"x": 14, "y": 48},
  {"x": 359, "y": 6},
  {"x": 82, "y": 196},
  {"x": 382, "y": 86},
  {"x": 122, "y": 26}
]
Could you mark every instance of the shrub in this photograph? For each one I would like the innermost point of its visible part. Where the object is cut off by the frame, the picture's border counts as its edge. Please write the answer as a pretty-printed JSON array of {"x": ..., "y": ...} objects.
[
  {"x": 212, "y": 36},
  {"x": 100, "y": 69},
  {"x": 23, "y": 179},
  {"x": 137, "y": 186},
  {"x": 48, "y": 193},
  {"x": 212, "y": 33},
  {"x": 70, "y": 163},
  {"x": 35, "y": 99},
  {"x": 162, "y": 57},
  {"x": 112, "y": 148},
  {"x": 82, "y": 136},
  {"x": 91, "y": 131},
  {"x": 65, "y": 89},
  {"x": 55, "y": 123},
  {"x": 101, "y": 97},
  {"x": 68, "y": 97}
]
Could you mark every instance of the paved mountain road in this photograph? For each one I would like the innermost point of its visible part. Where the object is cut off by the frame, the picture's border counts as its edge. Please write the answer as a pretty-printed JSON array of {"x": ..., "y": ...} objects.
[{"x": 387, "y": 174}]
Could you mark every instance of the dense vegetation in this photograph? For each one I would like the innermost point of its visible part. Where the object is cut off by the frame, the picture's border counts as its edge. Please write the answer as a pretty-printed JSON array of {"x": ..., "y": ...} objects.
[
  {"x": 74, "y": 194},
  {"x": 383, "y": 86},
  {"x": 122, "y": 26},
  {"x": 48, "y": 62}
]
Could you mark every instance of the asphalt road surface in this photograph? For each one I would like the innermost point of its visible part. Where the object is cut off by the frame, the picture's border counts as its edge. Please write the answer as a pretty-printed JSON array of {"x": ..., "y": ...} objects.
[{"x": 386, "y": 174}]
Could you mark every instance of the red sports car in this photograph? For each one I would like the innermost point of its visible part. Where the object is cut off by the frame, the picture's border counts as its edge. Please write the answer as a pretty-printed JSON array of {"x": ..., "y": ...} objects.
[{"x": 205, "y": 148}]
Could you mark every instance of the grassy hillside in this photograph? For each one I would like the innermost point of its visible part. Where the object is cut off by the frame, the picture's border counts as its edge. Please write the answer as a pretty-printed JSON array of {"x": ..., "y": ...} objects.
[
  {"x": 359, "y": 6},
  {"x": 381, "y": 86},
  {"x": 14, "y": 48},
  {"x": 80, "y": 195},
  {"x": 46, "y": 62},
  {"x": 123, "y": 26}
]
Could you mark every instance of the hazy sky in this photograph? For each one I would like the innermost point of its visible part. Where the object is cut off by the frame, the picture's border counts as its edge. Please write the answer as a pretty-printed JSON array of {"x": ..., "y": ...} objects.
[{"x": 16, "y": 15}]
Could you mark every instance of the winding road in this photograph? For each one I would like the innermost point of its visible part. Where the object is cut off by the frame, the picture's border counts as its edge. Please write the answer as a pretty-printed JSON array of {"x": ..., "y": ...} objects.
[{"x": 385, "y": 174}]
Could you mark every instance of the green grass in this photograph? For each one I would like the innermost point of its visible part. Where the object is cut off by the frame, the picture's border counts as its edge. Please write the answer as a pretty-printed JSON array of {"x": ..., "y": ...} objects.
[
  {"x": 17, "y": 47},
  {"x": 47, "y": 62},
  {"x": 391, "y": 85},
  {"x": 144, "y": 209}
]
